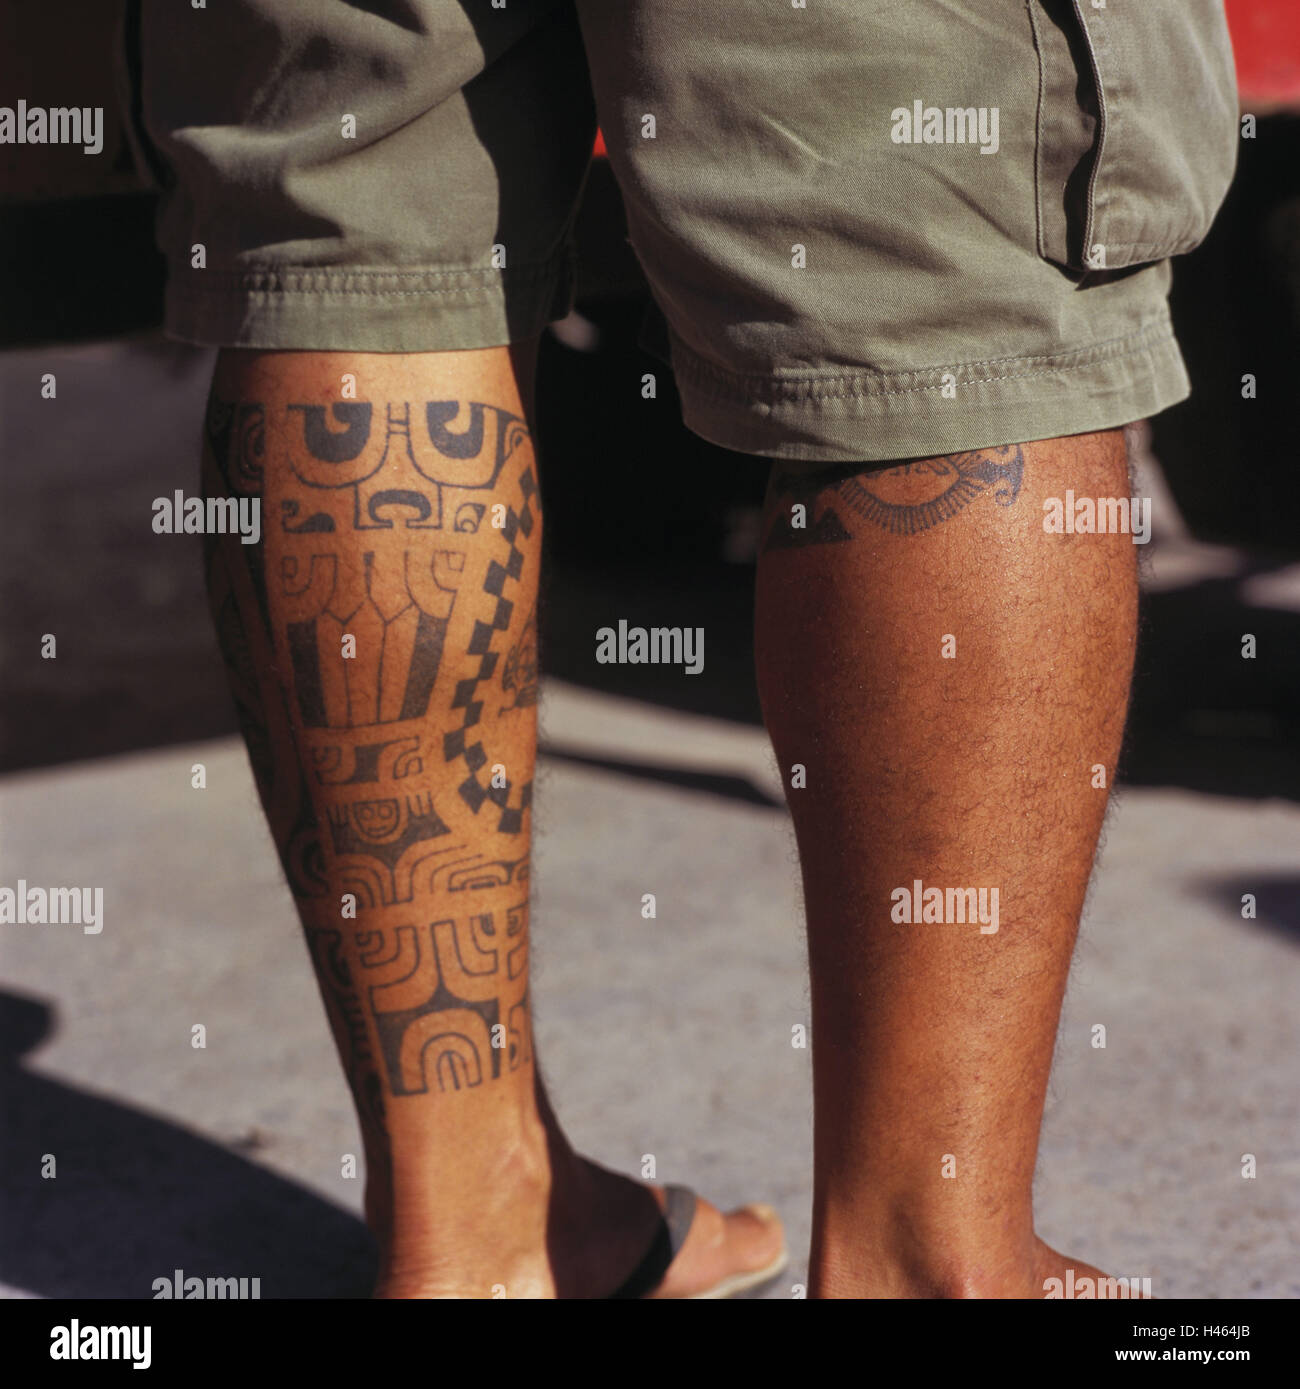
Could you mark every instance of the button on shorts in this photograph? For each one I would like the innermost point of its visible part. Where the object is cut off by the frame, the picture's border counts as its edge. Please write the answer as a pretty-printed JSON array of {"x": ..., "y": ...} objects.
[{"x": 874, "y": 229}]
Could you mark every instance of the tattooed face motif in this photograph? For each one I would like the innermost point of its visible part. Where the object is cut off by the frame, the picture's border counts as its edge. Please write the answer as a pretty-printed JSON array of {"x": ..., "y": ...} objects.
[{"x": 377, "y": 820}]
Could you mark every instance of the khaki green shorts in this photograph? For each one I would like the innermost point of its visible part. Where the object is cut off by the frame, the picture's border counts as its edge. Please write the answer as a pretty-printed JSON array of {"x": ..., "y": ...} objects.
[{"x": 874, "y": 229}]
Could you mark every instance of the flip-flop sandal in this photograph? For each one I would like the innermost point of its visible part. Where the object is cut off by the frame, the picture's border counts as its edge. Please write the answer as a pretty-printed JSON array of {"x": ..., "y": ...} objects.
[{"x": 674, "y": 1226}]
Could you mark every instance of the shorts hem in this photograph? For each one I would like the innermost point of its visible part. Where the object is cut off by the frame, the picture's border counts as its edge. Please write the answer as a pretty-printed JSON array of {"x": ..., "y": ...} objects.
[
  {"x": 867, "y": 416},
  {"x": 329, "y": 309}
]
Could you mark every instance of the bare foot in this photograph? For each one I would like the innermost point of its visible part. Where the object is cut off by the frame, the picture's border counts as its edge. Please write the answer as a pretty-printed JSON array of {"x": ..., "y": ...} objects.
[
  {"x": 1034, "y": 1271},
  {"x": 1059, "y": 1276}
]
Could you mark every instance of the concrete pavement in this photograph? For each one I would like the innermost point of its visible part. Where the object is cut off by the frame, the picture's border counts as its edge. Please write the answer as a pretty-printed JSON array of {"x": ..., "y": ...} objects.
[{"x": 669, "y": 1037}]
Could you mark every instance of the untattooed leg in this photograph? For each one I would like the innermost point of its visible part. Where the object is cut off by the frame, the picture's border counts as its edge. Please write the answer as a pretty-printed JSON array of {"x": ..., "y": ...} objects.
[
  {"x": 950, "y": 677},
  {"x": 382, "y": 645}
]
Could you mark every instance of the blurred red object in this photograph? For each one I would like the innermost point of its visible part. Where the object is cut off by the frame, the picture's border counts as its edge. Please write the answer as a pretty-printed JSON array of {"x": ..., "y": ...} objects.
[
  {"x": 1266, "y": 40},
  {"x": 599, "y": 150}
]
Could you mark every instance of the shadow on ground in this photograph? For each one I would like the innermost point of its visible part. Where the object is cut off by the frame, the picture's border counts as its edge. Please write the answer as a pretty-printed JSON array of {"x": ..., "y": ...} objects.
[
  {"x": 1276, "y": 902},
  {"x": 134, "y": 1197}
]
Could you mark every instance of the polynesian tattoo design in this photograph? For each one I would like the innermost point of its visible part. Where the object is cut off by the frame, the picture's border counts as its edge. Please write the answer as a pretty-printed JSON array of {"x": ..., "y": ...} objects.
[
  {"x": 363, "y": 640},
  {"x": 438, "y": 991},
  {"x": 520, "y": 675},
  {"x": 903, "y": 500}
]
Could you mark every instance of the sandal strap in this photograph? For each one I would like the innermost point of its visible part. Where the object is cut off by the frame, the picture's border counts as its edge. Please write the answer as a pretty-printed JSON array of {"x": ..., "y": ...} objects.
[{"x": 674, "y": 1226}]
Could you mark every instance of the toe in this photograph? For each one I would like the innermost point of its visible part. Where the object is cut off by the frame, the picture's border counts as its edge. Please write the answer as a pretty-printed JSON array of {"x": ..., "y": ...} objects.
[{"x": 720, "y": 1248}]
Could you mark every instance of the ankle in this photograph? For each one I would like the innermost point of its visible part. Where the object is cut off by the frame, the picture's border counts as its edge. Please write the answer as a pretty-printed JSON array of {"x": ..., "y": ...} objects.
[
  {"x": 442, "y": 1192},
  {"x": 472, "y": 1242},
  {"x": 945, "y": 1279},
  {"x": 894, "y": 1257}
]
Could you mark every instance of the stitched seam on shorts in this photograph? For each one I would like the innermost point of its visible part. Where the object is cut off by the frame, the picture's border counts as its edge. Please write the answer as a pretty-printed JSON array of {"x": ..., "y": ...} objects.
[
  {"x": 1158, "y": 328},
  {"x": 208, "y": 284},
  {"x": 693, "y": 371},
  {"x": 1165, "y": 248}
]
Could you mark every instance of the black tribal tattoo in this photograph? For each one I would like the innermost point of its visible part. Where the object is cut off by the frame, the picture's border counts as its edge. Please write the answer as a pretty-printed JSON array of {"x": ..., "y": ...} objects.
[
  {"x": 373, "y": 640},
  {"x": 818, "y": 505},
  {"x": 449, "y": 999},
  {"x": 519, "y": 676}
]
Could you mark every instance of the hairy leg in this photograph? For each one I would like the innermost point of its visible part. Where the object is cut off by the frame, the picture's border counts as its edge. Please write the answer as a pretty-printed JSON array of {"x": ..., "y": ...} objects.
[
  {"x": 381, "y": 640},
  {"x": 950, "y": 677}
]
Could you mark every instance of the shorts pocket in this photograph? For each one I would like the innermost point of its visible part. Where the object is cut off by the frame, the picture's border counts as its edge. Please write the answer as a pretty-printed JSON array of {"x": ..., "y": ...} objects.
[{"x": 1137, "y": 128}]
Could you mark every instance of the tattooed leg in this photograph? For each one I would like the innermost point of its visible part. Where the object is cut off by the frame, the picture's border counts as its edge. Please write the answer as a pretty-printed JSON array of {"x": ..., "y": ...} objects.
[
  {"x": 381, "y": 642},
  {"x": 950, "y": 677}
]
